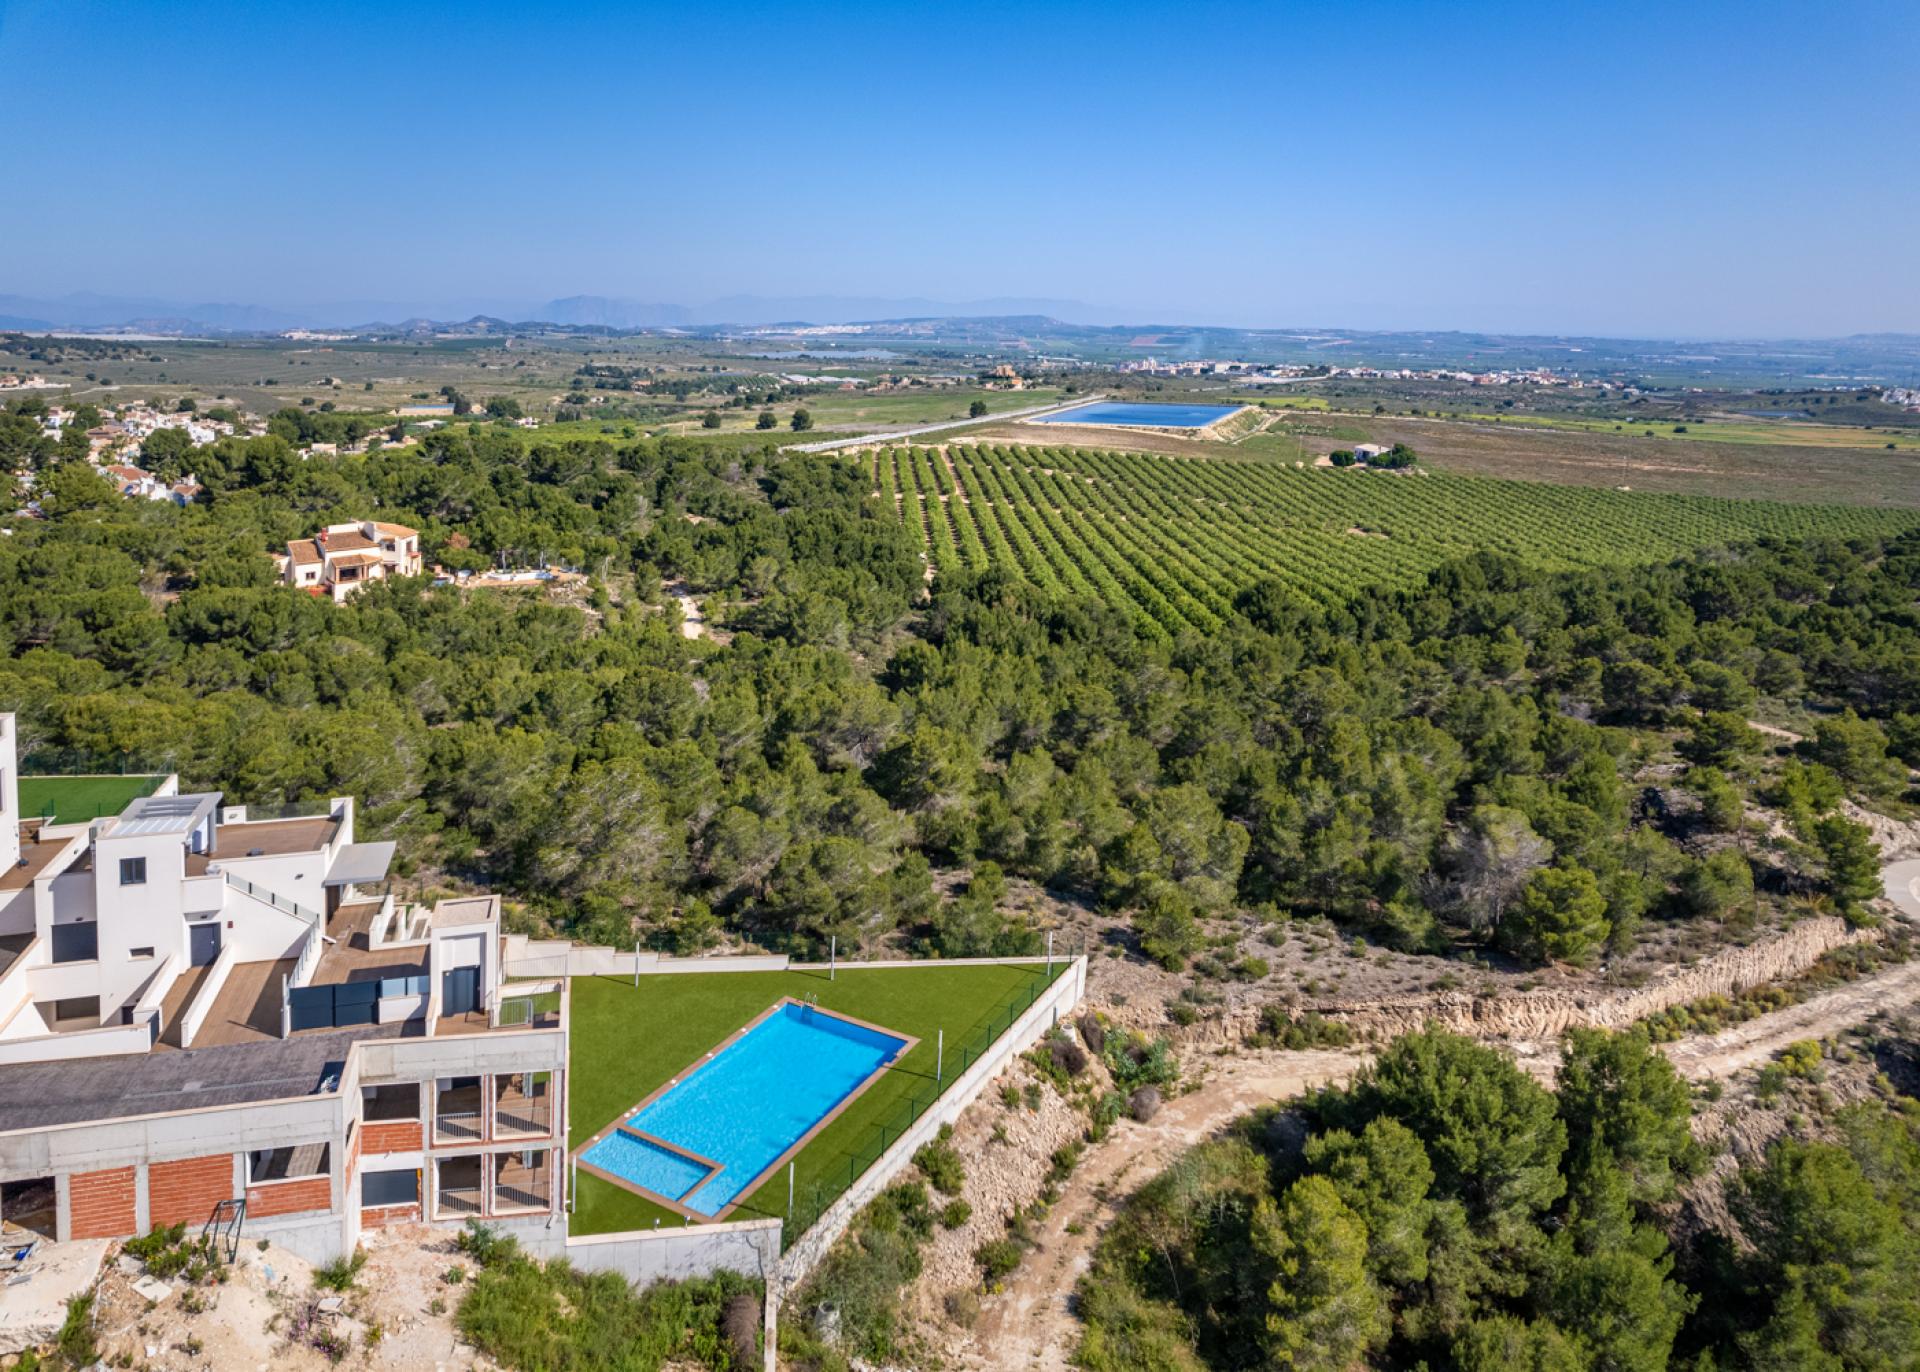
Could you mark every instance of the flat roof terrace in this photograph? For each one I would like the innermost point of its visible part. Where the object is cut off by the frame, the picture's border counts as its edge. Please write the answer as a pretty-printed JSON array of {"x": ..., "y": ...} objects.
[
  {"x": 265, "y": 838},
  {"x": 351, "y": 956},
  {"x": 36, "y": 855},
  {"x": 43, "y": 1095}
]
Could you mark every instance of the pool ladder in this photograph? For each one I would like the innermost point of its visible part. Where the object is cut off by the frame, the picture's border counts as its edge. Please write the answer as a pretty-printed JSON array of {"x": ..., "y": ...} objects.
[{"x": 813, "y": 1000}]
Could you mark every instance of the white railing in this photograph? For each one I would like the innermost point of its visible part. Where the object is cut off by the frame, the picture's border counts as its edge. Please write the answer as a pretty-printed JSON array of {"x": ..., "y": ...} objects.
[
  {"x": 310, "y": 950},
  {"x": 195, "y": 1013},
  {"x": 278, "y": 902}
]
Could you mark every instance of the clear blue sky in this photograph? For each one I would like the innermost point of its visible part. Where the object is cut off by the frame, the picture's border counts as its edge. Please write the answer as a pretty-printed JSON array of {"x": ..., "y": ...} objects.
[{"x": 1678, "y": 169}]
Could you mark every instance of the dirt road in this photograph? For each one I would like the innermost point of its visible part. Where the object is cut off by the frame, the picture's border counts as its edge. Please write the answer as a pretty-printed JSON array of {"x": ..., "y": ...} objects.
[
  {"x": 1822, "y": 1016},
  {"x": 1030, "y": 1323}
]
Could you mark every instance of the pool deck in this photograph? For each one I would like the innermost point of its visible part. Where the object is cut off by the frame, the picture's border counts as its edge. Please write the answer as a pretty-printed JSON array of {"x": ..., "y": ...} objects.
[{"x": 908, "y": 1042}]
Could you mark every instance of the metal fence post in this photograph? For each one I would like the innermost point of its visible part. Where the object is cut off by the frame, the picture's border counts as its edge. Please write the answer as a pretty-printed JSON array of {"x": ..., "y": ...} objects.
[{"x": 940, "y": 1059}]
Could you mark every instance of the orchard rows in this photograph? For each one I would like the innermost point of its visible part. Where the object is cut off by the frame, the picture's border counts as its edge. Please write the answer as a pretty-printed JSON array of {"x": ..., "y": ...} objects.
[{"x": 1174, "y": 539}]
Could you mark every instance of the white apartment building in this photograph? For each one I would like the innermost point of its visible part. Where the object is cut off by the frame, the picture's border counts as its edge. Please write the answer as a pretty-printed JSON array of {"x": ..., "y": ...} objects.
[
  {"x": 342, "y": 558},
  {"x": 201, "y": 1009}
]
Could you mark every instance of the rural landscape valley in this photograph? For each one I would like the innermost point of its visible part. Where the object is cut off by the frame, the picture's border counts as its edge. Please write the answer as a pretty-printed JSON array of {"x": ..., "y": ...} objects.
[{"x": 1239, "y": 694}]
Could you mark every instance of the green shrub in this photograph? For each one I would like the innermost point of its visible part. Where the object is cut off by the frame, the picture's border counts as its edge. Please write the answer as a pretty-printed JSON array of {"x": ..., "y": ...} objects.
[
  {"x": 1135, "y": 1060},
  {"x": 341, "y": 1275},
  {"x": 955, "y": 1213},
  {"x": 549, "y": 1317},
  {"x": 940, "y": 1163},
  {"x": 997, "y": 1258},
  {"x": 486, "y": 1245},
  {"x": 75, "y": 1342},
  {"x": 1802, "y": 1060},
  {"x": 1280, "y": 1028}
]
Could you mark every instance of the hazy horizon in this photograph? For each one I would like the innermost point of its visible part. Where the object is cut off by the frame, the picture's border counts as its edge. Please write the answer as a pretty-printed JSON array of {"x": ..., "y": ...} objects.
[{"x": 1718, "y": 172}]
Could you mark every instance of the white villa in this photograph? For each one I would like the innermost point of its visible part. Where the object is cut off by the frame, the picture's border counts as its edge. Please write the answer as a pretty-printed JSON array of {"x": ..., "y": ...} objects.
[{"x": 342, "y": 558}]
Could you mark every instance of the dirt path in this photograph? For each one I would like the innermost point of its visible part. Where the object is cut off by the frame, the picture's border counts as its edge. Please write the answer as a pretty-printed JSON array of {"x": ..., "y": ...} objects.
[
  {"x": 693, "y": 620},
  {"x": 1030, "y": 1324},
  {"x": 1752, "y": 1043}
]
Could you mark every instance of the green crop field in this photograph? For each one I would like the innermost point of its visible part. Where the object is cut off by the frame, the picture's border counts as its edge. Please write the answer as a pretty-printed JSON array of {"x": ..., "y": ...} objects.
[{"x": 1172, "y": 540}]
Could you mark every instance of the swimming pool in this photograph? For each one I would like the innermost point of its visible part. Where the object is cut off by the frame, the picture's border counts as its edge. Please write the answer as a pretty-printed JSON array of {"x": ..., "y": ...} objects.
[
  {"x": 705, "y": 1140},
  {"x": 1140, "y": 416}
]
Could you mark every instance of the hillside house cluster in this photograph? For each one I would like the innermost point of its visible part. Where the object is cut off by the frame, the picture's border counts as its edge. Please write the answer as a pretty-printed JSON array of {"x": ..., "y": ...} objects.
[
  {"x": 202, "y": 1009},
  {"x": 342, "y": 558}
]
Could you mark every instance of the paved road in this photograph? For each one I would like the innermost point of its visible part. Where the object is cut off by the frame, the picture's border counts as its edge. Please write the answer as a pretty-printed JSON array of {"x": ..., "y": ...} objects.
[
  {"x": 894, "y": 436},
  {"x": 1902, "y": 881}
]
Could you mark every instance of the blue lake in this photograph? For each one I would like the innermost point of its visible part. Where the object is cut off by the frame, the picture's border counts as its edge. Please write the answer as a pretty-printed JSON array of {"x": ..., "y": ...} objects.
[{"x": 1140, "y": 416}]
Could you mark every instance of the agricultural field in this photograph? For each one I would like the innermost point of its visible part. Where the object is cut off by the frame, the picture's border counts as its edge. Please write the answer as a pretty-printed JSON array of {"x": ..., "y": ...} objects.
[
  {"x": 1173, "y": 540},
  {"x": 1864, "y": 474}
]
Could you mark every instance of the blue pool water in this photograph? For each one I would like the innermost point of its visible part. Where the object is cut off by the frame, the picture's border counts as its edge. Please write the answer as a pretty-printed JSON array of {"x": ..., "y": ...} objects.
[
  {"x": 660, "y": 1170},
  {"x": 746, "y": 1105},
  {"x": 1140, "y": 416}
]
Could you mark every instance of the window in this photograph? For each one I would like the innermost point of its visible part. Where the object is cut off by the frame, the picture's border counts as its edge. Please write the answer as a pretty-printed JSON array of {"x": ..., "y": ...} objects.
[
  {"x": 77, "y": 1007},
  {"x": 139, "y": 952},
  {"x": 397, "y": 1102},
  {"x": 76, "y": 942},
  {"x": 401, "y": 1186},
  {"x": 133, "y": 871},
  {"x": 285, "y": 1164}
]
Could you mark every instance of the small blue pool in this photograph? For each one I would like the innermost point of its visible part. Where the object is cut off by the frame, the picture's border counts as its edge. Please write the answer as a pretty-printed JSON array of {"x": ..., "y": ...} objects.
[
  {"x": 1140, "y": 416},
  {"x": 744, "y": 1107}
]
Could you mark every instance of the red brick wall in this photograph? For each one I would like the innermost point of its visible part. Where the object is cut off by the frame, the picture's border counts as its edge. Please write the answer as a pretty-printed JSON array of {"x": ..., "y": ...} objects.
[
  {"x": 187, "y": 1190},
  {"x": 290, "y": 1197},
  {"x": 392, "y": 1136},
  {"x": 389, "y": 1214},
  {"x": 102, "y": 1204}
]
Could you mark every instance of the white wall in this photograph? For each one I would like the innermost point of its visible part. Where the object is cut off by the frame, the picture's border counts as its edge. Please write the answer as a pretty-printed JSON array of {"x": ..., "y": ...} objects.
[
  {"x": 16, "y": 910},
  {"x": 261, "y": 932},
  {"x": 299, "y": 877},
  {"x": 9, "y": 793},
  {"x": 141, "y": 916}
]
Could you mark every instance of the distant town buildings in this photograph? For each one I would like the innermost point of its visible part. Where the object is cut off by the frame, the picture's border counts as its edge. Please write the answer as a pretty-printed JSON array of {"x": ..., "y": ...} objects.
[{"x": 342, "y": 558}]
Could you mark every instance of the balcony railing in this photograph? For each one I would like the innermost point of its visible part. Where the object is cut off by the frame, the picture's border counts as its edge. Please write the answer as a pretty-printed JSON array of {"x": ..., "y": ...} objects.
[{"x": 278, "y": 902}]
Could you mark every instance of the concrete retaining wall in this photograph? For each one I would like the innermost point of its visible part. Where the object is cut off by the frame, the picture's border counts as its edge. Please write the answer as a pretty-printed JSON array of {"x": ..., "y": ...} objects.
[
  {"x": 750, "y": 1247},
  {"x": 1054, "y": 1004}
]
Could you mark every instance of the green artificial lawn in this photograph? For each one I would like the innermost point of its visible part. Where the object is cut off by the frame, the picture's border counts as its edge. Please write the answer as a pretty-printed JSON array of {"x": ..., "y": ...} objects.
[
  {"x": 71, "y": 800},
  {"x": 626, "y": 1041}
]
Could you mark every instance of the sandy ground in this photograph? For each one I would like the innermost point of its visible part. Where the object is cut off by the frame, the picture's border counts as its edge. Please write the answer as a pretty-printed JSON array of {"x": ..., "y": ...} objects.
[
  {"x": 389, "y": 1318},
  {"x": 693, "y": 620}
]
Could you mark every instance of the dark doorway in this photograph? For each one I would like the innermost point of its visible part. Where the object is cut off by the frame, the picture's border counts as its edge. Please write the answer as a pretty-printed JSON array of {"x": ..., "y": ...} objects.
[
  {"x": 31, "y": 1204},
  {"x": 203, "y": 943}
]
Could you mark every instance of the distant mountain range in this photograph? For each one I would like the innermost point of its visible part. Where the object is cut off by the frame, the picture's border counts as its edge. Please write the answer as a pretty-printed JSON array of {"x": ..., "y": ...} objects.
[{"x": 88, "y": 311}]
